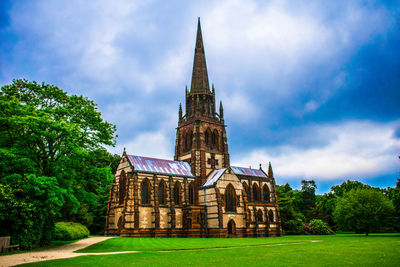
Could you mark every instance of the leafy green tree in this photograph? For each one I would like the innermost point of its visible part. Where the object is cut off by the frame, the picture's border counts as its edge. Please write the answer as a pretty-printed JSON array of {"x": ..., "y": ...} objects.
[
  {"x": 46, "y": 124},
  {"x": 324, "y": 207},
  {"x": 97, "y": 167},
  {"x": 292, "y": 219},
  {"x": 340, "y": 190},
  {"x": 363, "y": 210},
  {"x": 394, "y": 195},
  {"x": 307, "y": 203},
  {"x": 48, "y": 135},
  {"x": 28, "y": 204}
]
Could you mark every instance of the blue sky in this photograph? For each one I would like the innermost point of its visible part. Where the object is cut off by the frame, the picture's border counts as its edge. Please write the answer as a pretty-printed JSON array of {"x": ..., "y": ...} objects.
[{"x": 312, "y": 86}]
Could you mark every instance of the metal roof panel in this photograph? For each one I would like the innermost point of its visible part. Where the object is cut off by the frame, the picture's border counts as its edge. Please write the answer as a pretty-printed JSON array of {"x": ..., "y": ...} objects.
[
  {"x": 248, "y": 171},
  {"x": 164, "y": 166},
  {"x": 214, "y": 176}
]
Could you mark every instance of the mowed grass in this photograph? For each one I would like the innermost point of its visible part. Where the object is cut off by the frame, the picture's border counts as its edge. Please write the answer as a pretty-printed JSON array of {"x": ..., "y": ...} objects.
[
  {"x": 338, "y": 250},
  {"x": 161, "y": 244}
]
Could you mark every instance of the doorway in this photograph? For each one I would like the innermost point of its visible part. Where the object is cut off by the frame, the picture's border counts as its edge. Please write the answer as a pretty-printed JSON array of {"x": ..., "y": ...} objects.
[
  {"x": 231, "y": 228},
  {"x": 120, "y": 225}
]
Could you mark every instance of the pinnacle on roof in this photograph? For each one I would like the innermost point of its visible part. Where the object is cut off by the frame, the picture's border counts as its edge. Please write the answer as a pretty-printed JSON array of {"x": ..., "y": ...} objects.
[
  {"x": 180, "y": 112},
  {"x": 221, "y": 110},
  {"x": 270, "y": 172},
  {"x": 200, "y": 82}
]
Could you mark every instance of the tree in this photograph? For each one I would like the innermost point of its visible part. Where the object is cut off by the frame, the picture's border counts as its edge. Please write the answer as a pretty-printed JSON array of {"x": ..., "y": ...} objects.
[
  {"x": 307, "y": 197},
  {"x": 363, "y": 210},
  {"x": 46, "y": 124},
  {"x": 324, "y": 207},
  {"x": 394, "y": 195},
  {"x": 291, "y": 217},
  {"x": 28, "y": 206},
  {"x": 340, "y": 190},
  {"x": 56, "y": 140}
]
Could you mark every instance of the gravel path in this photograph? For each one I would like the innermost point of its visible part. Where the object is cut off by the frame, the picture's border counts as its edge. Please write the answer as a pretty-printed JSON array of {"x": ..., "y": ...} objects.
[{"x": 59, "y": 252}]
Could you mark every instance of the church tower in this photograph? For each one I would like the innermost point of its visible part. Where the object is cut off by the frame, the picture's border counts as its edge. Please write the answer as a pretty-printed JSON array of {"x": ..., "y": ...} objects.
[{"x": 201, "y": 136}]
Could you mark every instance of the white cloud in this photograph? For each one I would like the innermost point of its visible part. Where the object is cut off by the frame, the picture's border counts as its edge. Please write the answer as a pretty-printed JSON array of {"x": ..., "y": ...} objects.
[
  {"x": 119, "y": 47},
  {"x": 281, "y": 41},
  {"x": 148, "y": 144},
  {"x": 239, "y": 108},
  {"x": 354, "y": 149},
  {"x": 311, "y": 106}
]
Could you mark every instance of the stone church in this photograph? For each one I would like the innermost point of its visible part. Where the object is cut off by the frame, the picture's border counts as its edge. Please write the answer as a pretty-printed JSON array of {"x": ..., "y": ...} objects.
[{"x": 198, "y": 194}]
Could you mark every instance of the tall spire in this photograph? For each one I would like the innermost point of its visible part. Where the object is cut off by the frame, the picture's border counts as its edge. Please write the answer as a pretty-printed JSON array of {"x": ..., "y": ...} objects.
[{"x": 199, "y": 76}]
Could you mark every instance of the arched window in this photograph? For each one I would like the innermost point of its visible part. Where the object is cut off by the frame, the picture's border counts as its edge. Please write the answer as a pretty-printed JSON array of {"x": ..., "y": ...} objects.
[
  {"x": 256, "y": 193},
  {"x": 189, "y": 138},
  {"x": 271, "y": 216},
  {"x": 184, "y": 141},
  {"x": 122, "y": 187},
  {"x": 266, "y": 194},
  {"x": 177, "y": 193},
  {"x": 246, "y": 189},
  {"x": 215, "y": 138},
  {"x": 145, "y": 191},
  {"x": 161, "y": 193},
  {"x": 230, "y": 198},
  {"x": 191, "y": 193},
  {"x": 207, "y": 136},
  {"x": 259, "y": 216}
]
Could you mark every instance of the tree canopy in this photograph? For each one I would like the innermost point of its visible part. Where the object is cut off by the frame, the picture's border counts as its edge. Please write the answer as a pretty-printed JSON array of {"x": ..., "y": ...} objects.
[
  {"x": 52, "y": 141},
  {"x": 363, "y": 210}
]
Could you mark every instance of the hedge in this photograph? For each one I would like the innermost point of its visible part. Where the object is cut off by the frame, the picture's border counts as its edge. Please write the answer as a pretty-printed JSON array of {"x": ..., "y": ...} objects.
[{"x": 70, "y": 231}]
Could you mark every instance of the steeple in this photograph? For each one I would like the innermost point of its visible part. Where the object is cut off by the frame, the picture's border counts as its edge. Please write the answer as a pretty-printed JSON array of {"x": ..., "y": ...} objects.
[
  {"x": 201, "y": 135},
  {"x": 199, "y": 76}
]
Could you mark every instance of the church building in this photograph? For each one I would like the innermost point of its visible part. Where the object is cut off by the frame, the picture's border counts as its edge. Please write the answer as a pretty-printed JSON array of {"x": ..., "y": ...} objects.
[{"x": 198, "y": 194}]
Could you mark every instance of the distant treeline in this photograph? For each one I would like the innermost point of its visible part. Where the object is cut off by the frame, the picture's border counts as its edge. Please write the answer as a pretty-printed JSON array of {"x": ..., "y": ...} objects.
[{"x": 351, "y": 206}]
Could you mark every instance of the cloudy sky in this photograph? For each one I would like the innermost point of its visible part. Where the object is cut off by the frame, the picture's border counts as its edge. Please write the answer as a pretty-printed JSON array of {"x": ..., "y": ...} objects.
[{"x": 312, "y": 86}]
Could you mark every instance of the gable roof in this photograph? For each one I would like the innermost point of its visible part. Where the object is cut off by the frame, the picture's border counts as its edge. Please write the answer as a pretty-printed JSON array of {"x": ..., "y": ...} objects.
[
  {"x": 162, "y": 166},
  {"x": 213, "y": 177},
  {"x": 248, "y": 172}
]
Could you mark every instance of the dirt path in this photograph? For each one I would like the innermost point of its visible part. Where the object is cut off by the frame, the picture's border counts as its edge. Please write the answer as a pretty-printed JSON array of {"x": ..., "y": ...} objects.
[{"x": 59, "y": 252}]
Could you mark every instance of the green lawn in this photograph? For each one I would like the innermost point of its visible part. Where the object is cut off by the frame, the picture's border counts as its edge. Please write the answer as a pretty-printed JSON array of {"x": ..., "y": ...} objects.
[
  {"x": 157, "y": 244},
  {"x": 338, "y": 250}
]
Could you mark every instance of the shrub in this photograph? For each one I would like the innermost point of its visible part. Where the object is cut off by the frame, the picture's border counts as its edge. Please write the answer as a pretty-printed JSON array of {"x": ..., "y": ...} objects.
[
  {"x": 70, "y": 231},
  {"x": 320, "y": 227},
  {"x": 294, "y": 227},
  {"x": 307, "y": 229}
]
